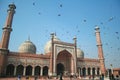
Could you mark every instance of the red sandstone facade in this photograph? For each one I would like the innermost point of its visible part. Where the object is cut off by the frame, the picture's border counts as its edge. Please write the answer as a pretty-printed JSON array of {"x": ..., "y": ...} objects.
[{"x": 61, "y": 57}]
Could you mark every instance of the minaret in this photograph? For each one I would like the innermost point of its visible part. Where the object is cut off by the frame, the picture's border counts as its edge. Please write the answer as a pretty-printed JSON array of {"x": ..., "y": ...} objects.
[
  {"x": 100, "y": 51},
  {"x": 5, "y": 39},
  {"x": 7, "y": 28}
]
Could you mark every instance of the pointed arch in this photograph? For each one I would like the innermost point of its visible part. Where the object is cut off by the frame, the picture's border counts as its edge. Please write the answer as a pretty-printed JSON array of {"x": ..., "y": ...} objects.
[
  {"x": 29, "y": 70},
  {"x": 89, "y": 71},
  {"x": 93, "y": 71},
  {"x": 98, "y": 71},
  {"x": 19, "y": 70},
  {"x": 10, "y": 70},
  {"x": 45, "y": 71},
  {"x": 84, "y": 71},
  {"x": 37, "y": 70}
]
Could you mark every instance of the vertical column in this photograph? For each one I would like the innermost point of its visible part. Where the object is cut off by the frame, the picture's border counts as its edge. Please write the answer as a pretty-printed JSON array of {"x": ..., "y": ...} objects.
[
  {"x": 33, "y": 71},
  {"x": 54, "y": 61},
  {"x": 81, "y": 71},
  {"x": 86, "y": 71},
  {"x": 51, "y": 67},
  {"x": 24, "y": 71},
  {"x": 100, "y": 51},
  {"x": 15, "y": 71},
  {"x": 72, "y": 66},
  {"x": 52, "y": 55},
  {"x": 41, "y": 73},
  {"x": 91, "y": 71},
  {"x": 100, "y": 71},
  {"x": 95, "y": 71},
  {"x": 75, "y": 55}
]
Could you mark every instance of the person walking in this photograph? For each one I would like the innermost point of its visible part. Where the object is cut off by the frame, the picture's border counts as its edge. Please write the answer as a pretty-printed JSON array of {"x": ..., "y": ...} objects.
[{"x": 60, "y": 76}]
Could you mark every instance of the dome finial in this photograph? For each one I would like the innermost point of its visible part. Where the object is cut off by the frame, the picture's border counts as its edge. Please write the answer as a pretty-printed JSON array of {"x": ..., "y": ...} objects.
[
  {"x": 55, "y": 33},
  {"x": 29, "y": 38},
  {"x": 97, "y": 27}
]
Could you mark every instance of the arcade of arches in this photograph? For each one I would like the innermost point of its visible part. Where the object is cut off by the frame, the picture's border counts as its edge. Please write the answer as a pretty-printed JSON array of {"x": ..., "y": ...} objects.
[
  {"x": 43, "y": 71},
  {"x": 88, "y": 71},
  {"x": 29, "y": 70}
]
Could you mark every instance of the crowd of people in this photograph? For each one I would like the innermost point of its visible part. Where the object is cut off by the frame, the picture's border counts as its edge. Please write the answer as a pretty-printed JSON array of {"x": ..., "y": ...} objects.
[{"x": 92, "y": 77}]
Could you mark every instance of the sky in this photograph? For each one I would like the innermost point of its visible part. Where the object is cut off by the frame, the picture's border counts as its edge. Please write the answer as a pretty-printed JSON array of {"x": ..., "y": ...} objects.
[{"x": 37, "y": 19}]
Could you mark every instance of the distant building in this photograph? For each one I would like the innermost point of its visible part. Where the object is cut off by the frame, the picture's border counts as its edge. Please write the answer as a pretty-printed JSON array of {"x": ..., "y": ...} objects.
[
  {"x": 59, "y": 57},
  {"x": 116, "y": 71}
]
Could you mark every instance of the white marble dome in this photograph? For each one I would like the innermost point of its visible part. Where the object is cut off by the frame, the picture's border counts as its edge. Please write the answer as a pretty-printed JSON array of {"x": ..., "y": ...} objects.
[
  {"x": 27, "y": 47},
  {"x": 80, "y": 53},
  {"x": 48, "y": 45}
]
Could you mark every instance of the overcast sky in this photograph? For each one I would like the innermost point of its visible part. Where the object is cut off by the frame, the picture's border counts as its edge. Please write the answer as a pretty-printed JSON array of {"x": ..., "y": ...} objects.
[{"x": 39, "y": 18}]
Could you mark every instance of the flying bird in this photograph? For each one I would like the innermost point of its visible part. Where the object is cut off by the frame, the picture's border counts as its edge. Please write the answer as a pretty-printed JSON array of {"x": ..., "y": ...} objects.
[
  {"x": 39, "y": 13},
  {"x": 116, "y": 32},
  {"x": 78, "y": 31},
  {"x": 59, "y": 14},
  {"x": 118, "y": 49},
  {"x": 117, "y": 37},
  {"x": 101, "y": 23},
  {"x": 76, "y": 27},
  {"x": 110, "y": 19},
  {"x": 67, "y": 32},
  {"x": 60, "y": 5},
  {"x": 106, "y": 43},
  {"x": 84, "y": 20},
  {"x": 34, "y": 3}
]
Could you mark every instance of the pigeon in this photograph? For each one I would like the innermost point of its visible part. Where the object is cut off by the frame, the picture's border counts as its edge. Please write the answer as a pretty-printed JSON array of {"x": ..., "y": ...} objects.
[
  {"x": 60, "y": 5},
  {"x": 34, "y": 3},
  {"x": 59, "y": 14},
  {"x": 111, "y": 18}
]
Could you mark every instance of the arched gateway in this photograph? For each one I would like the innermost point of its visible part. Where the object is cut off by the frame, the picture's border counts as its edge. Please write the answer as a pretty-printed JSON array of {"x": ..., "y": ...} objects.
[{"x": 64, "y": 62}]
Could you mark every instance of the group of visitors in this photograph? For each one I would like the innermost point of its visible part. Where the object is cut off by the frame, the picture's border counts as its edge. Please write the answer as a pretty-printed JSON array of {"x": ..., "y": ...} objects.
[{"x": 101, "y": 77}]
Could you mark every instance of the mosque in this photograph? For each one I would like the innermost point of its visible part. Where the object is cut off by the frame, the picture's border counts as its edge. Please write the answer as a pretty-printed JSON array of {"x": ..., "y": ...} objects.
[{"x": 59, "y": 57}]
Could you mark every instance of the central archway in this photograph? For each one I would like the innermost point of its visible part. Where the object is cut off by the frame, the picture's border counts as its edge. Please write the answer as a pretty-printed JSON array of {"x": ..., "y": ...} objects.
[
  {"x": 60, "y": 68},
  {"x": 64, "y": 64}
]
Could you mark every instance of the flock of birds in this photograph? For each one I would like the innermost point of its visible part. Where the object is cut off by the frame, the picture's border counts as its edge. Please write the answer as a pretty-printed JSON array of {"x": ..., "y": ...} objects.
[
  {"x": 116, "y": 33},
  {"x": 60, "y": 5}
]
